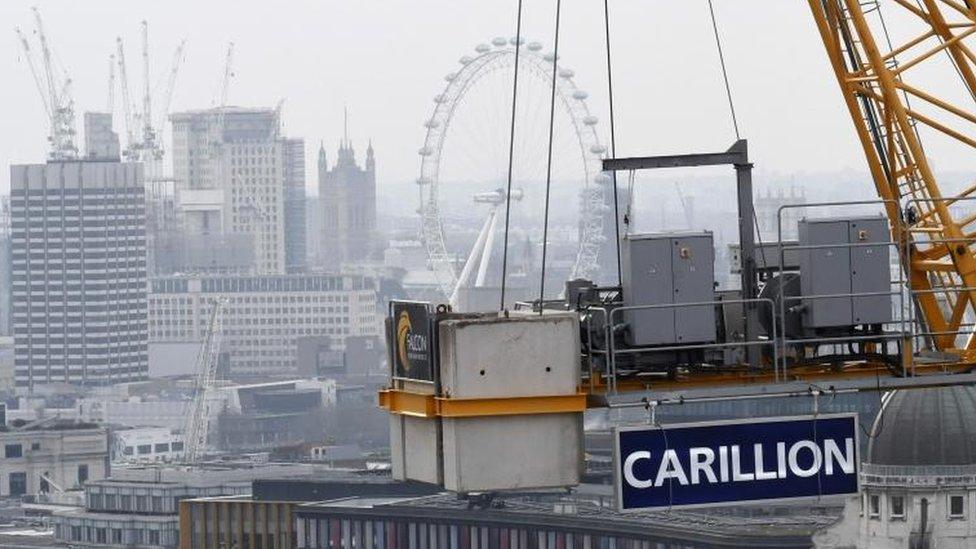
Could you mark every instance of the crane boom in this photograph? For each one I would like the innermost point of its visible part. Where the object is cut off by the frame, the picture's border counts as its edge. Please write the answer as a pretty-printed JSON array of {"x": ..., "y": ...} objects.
[
  {"x": 130, "y": 123},
  {"x": 55, "y": 94},
  {"x": 111, "y": 84},
  {"x": 197, "y": 429},
  {"x": 167, "y": 97},
  {"x": 148, "y": 131},
  {"x": 879, "y": 87},
  {"x": 38, "y": 80}
]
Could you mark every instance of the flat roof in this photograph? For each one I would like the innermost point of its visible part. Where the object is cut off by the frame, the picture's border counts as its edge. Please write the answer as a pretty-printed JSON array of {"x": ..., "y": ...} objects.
[{"x": 766, "y": 525}]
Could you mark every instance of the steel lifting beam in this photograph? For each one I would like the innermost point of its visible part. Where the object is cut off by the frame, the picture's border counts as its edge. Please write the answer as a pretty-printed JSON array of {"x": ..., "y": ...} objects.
[
  {"x": 412, "y": 404},
  {"x": 736, "y": 156}
]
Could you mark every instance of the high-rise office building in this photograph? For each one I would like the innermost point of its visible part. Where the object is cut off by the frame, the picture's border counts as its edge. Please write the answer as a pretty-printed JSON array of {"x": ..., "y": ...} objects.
[
  {"x": 293, "y": 169},
  {"x": 6, "y": 289},
  {"x": 228, "y": 167},
  {"x": 347, "y": 193},
  {"x": 78, "y": 246},
  {"x": 265, "y": 317}
]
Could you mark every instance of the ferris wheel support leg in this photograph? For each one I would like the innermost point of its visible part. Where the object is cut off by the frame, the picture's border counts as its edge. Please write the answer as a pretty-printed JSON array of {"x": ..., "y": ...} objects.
[
  {"x": 475, "y": 251},
  {"x": 486, "y": 253}
]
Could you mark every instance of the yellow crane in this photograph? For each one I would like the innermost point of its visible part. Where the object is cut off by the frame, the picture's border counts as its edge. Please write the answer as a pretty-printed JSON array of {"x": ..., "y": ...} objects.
[{"x": 879, "y": 80}]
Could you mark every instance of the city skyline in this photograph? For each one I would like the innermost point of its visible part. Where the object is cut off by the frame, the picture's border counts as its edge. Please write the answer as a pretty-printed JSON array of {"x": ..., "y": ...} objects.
[{"x": 806, "y": 128}]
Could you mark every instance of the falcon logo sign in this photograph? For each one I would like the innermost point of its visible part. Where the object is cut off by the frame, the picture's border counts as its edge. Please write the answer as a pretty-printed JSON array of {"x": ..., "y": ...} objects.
[
  {"x": 412, "y": 337},
  {"x": 736, "y": 461}
]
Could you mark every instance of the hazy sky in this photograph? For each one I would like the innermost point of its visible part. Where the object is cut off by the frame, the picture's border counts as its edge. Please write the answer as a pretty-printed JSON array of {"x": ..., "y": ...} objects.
[{"x": 387, "y": 59}]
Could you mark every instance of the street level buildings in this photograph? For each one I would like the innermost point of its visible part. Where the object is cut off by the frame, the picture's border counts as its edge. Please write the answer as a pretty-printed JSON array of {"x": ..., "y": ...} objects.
[
  {"x": 229, "y": 170},
  {"x": 48, "y": 455},
  {"x": 264, "y": 316},
  {"x": 78, "y": 269}
]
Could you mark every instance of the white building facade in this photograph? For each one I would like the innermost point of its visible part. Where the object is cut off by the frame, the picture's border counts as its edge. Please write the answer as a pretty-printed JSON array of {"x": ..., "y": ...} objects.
[
  {"x": 264, "y": 316},
  {"x": 228, "y": 167},
  {"x": 918, "y": 484},
  {"x": 52, "y": 456},
  {"x": 78, "y": 239}
]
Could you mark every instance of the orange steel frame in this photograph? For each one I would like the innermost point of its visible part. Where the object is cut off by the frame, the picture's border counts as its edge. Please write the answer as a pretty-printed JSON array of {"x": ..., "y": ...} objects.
[{"x": 878, "y": 91}]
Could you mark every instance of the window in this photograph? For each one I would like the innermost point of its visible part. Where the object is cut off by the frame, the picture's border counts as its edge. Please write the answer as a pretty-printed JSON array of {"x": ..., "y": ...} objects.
[
  {"x": 13, "y": 450},
  {"x": 897, "y": 507},
  {"x": 957, "y": 506},
  {"x": 145, "y": 449},
  {"x": 874, "y": 505},
  {"x": 35, "y": 445},
  {"x": 18, "y": 484},
  {"x": 128, "y": 450},
  {"x": 154, "y": 537},
  {"x": 82, "y": 474},
  {"x": 117, "y": 535},
  {"x": 161, "y": 448}
]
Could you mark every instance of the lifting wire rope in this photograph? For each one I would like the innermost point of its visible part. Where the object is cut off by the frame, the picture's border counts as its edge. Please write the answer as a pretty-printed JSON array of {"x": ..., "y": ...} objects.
[
  {"x": 735, "y": 119},
  {"x": 613, "y": 142},
  {"x": 511, "y": 151},
  {"x": 552, "y": 119}
]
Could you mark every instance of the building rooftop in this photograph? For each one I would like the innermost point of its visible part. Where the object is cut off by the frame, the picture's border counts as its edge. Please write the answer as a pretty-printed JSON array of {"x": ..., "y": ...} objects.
[
  {"x": 757, "y": 526},
  {"x": 926, "y": 427}
]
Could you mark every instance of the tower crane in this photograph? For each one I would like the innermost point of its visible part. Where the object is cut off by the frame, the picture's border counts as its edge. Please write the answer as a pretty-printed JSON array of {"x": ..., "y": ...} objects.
[
  {"x": 878, "y": 79},
  {"x": 55, "y": 94},
  {"x": 132, "y": 146},
  {"x": 144, "y": 131},
  {"x": 218, "y": 127},
  {"x": 197, "y": 428},
  {"x": 111, "y": 83}
]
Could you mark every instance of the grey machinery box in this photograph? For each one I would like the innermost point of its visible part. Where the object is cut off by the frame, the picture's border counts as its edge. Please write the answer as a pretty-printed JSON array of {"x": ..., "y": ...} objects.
[
  {"x": 667, "y": 268},
  {"x": 854, "y": 267}
]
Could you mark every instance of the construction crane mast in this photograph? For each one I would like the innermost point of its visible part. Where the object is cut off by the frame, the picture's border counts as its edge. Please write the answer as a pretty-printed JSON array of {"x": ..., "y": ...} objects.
[
  {"x": 197, "y": 428},
  {"x": 890, "y": 109},
  {"x": 144, "y": 132},
  {"x": 55, "y": 93},
  {"x": 131, "y": 145}
]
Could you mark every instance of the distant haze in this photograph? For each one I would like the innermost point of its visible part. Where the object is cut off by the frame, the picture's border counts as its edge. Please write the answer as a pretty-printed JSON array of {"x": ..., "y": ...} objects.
[{"x": 386, "y": 59}]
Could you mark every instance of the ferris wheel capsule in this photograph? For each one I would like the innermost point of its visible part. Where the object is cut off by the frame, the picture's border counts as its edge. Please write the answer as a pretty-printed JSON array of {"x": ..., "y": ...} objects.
[
  {"x": 439, "y": 98},
  {"x": 550, "y": 57},
  {"x": 422, "y": 181},
  {"x": 466, "y": 59},
  {"x": 425, "y": 151},
  {"x": 432, "y": 123},
  {"x": 590, "y": 120},
  {"x": 598, "y": 149},
  {"x": 535, "y": 46},
  {"x": 516, "y": 41},
  {"x": 567, "y": 73},
  {"x": 601, "y": 178},
  {"x": 482, "y": 48},
  {"x": 580, "y": 95},
  {"x": 450, "y": 76},
  {"x": 499, "y": 42}
]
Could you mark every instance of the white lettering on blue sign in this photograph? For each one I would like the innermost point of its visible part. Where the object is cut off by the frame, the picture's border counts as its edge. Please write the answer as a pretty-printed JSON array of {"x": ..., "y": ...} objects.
[{"x": 803, "y": 458}]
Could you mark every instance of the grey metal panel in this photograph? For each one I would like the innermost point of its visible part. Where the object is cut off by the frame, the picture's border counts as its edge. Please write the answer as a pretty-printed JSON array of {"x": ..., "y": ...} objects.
[
  {"x": 870, "y": 271},
  {"x": 825, "y": 271},
  {"x": 647, "y": 280},
  {"x": 692, "y": 262}
]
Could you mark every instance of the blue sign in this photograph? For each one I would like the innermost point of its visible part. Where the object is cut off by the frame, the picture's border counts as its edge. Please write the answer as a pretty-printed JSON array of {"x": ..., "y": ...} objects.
[{"x": 735, "y": 461}]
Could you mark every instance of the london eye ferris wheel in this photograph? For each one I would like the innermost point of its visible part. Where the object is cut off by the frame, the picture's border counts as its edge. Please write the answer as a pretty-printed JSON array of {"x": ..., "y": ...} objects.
[{"x": 464, "y": 169}]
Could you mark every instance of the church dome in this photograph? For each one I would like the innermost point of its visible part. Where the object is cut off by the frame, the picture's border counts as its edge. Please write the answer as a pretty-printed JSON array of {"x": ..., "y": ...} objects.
[{"x": 921, "y": 427}]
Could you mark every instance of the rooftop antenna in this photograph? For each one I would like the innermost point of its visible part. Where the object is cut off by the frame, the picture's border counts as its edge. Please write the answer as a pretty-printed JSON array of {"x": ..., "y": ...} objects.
[{"x": 345, "y": 125}]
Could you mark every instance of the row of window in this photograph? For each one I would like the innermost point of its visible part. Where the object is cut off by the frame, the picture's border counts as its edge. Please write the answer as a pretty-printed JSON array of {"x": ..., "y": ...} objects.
[
  {"x": 955, "y": 506},
  {"x": 111, "y": 535},
  {"x": 158, "y": 448}
]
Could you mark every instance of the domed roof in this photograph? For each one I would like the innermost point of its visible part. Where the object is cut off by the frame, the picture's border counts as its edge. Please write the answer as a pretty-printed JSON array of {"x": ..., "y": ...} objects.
[{"x": 926, "y": 427}]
